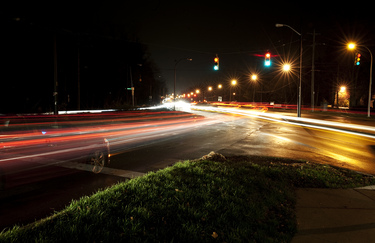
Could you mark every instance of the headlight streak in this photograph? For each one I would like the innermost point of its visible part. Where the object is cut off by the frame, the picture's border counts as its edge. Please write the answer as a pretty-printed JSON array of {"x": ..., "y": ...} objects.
[
  {"x": 24, "y": 150},
  {"x": 321, "y": 124},
  {"x": 115, "y": 134}
]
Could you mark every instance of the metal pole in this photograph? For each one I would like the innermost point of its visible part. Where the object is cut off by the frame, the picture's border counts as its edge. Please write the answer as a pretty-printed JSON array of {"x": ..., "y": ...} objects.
[
  {"x": 370, "y": 84},
  {"x": 55, "y": 84},
  {"x": 78, "y": 81},
  {"x": 313, "y": 74},
  {"x": 174, "y": 87},
  {"x": 132, "y": 86},
  {"x": 300, "y": 82},
  {"x": 299, "y": 103}
]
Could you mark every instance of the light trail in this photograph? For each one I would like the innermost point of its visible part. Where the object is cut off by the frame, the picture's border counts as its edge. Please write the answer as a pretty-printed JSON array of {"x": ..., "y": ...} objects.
[
  {"x": 313, "y": 123},
  {"x": 30, "y": 143}
]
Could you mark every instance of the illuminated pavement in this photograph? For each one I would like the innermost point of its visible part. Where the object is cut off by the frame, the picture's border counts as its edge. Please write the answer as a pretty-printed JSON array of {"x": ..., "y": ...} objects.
[
  {"x": 349, "y": 144},
  {"x": 147, "y": 143}
]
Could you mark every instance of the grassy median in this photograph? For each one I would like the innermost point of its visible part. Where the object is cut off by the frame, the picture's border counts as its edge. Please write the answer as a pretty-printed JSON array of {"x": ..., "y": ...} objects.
[{"x": 237, "y": 200}]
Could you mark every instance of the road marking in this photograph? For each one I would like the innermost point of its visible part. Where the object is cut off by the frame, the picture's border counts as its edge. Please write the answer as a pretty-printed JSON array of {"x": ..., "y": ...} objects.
[{"x": 106, "y": 170}]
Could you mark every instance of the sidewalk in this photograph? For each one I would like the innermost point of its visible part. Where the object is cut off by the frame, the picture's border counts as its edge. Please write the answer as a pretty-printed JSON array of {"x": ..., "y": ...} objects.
[{"x": 335, "y": 215}]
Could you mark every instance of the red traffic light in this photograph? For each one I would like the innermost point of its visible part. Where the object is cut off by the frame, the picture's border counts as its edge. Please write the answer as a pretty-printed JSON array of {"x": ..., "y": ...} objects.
[
  {"x": 267, "y": 61},
  {"x": 357, "y": 60}
]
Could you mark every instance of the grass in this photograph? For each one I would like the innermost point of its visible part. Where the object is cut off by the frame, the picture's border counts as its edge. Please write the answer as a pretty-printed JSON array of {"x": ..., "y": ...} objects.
[{"x": 242, "y": 199}]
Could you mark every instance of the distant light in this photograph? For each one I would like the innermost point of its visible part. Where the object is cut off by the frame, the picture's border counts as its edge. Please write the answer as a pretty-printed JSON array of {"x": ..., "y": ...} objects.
[
  {"x": 254, "y": 77},
  {"x": 342, "y": 89},
  {"x": 267, "y": 63},
  {"x": 216, "y": 68},
  {"x": 234, "y": 82}
]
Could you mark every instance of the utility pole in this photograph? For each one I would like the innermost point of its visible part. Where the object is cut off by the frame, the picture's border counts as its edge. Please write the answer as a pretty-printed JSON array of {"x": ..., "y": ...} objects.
[
  {"x": 132, "y": 85},
  {"x": 78, "y": 81},
  {"x": 313, "y": 74},
  {"x": 313, "y": 70},
  {"x": 55, "y": 84}
]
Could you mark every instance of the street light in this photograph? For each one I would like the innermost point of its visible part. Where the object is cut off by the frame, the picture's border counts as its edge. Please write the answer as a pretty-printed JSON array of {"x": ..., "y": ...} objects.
[
  {"x": 352, "y": 46},
  {"x": 254, "y": 77},
  {"x": 233, "y": 82},
  {"x": 286, "y": 67},
  {"x": 174, "y": 88},
  {"x": 300, "y": 68}
]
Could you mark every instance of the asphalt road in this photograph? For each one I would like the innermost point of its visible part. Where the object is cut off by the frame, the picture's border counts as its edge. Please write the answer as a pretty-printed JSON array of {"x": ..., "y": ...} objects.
[{"x": 231, "y": 134}]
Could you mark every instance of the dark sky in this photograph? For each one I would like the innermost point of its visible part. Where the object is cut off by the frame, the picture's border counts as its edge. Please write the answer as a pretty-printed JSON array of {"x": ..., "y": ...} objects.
[{"x": 238, "y": 31}]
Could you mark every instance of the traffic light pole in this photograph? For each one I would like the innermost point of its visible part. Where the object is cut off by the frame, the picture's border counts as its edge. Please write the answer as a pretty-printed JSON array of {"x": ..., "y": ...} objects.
[
  {"x": 370, "y": 84},
  {"x": 300, "y": 81}
]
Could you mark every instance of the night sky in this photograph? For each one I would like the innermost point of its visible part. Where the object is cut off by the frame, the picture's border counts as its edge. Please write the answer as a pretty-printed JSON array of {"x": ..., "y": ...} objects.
[{"x": 239, "y": 32}]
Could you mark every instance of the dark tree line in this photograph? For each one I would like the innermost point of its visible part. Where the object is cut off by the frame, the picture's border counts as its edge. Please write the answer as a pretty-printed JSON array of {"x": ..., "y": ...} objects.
[{"x": 96, "y": 63}]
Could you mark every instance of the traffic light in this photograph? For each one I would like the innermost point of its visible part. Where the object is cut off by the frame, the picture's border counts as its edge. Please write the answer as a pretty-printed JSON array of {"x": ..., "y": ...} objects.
[
  {"x": 357, "y": 59},
  {"x": 216, "y": 63},
  {"x": 267, "y": 60}
]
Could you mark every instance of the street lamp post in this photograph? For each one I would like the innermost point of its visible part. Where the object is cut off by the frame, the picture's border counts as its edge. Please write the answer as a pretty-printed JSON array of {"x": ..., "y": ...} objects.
[
  {"x": 300, "y": 69},
  {"x": 233, "y": 82},
  {"x": 254, "y": 77},
  {"x": 174, "y": 88},
  {"x": 352, "y": 46},
  {"x": 220, "y": 93}
]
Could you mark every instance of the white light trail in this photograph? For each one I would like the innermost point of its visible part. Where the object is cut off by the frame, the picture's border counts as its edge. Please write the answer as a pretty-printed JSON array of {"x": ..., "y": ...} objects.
[{"x": 313, "y": 123}]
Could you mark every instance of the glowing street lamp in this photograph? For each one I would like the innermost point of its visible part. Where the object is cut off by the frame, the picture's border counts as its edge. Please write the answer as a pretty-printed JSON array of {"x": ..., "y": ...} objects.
[
  {"x": 351, "y": 46},
  {"x": 254, "y": 77},
  {"x": 233, "y": 82},
  {"x": 175, "y": 68},
  {"x": 286, "y": 67}
]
